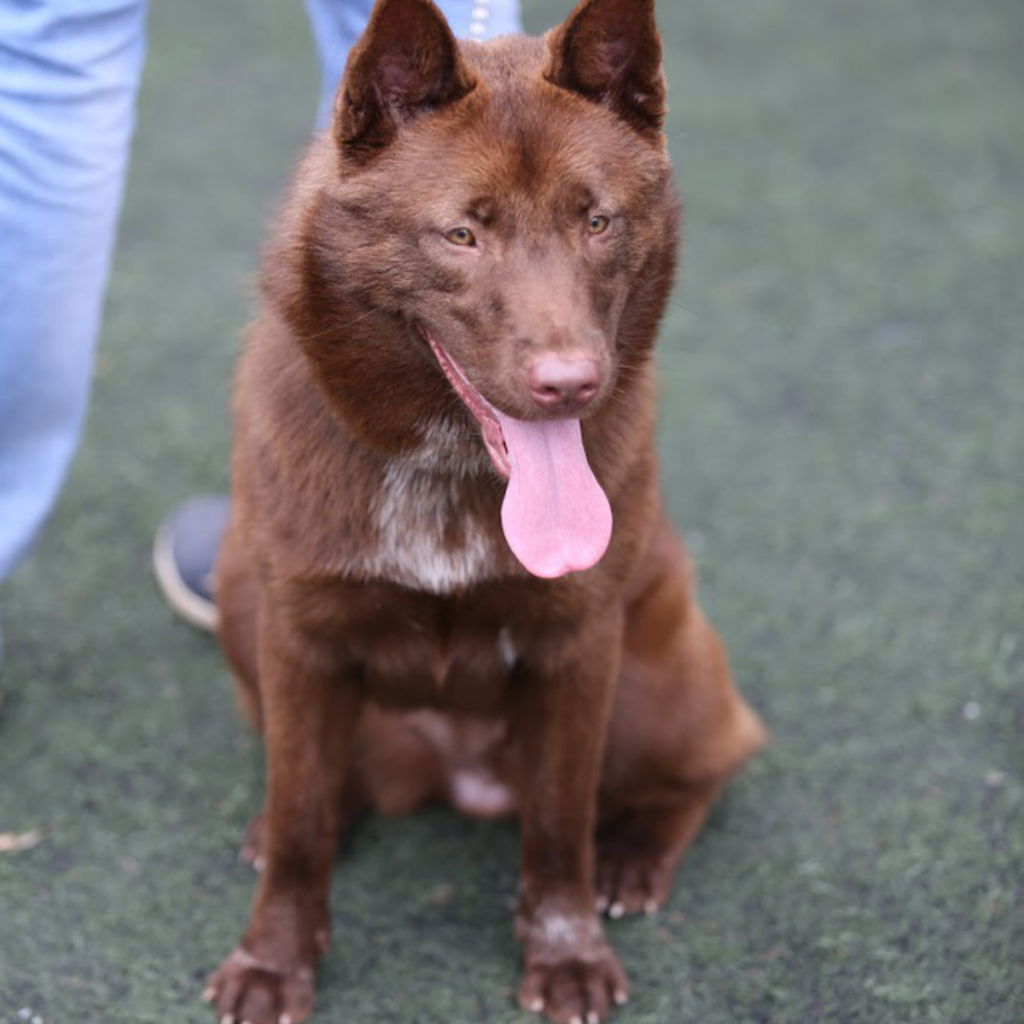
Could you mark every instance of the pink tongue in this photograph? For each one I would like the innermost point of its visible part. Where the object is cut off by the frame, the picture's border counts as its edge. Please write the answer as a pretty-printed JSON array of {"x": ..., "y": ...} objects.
[{"x": 555, "y": 516}]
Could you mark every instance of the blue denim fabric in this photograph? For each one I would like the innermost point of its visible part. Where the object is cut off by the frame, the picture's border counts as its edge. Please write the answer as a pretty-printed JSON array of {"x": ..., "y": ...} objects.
[{"x": 69, "y": 75}]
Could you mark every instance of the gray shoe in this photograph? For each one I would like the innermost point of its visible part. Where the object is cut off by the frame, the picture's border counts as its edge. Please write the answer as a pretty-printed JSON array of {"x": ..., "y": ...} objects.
[{"x": 184, "y": 554}]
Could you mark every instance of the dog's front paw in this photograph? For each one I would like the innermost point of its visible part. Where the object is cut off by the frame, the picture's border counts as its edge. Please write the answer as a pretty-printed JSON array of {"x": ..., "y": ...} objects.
[
  {"x": 248, "y": 990},
  {"x": 571, "y": 973}
]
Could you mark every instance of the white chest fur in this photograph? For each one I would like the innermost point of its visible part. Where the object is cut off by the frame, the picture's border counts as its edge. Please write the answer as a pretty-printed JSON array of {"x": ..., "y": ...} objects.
[{"x": 426, "y": 538}]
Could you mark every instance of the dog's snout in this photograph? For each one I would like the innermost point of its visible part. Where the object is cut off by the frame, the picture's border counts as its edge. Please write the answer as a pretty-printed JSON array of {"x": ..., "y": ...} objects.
[{"x": 564, "y": 383}]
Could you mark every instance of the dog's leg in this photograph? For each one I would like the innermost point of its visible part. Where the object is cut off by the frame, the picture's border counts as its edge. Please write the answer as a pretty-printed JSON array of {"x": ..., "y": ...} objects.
[
  {"x": 237, "y": 602},
  {"x": 561, "y": 716},
  {"x": 310, "y": 716},
  {"x": 679, "y": 730}
]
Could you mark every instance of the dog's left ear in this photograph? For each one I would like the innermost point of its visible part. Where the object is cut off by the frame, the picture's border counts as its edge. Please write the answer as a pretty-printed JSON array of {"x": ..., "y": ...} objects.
[
  {"x": 610, "y": 52},
  {"x": 406, "y": 63}
]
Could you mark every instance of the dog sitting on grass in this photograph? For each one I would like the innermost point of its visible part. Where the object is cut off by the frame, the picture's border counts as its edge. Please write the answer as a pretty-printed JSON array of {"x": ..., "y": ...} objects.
[{"x": 449, "y": 574}]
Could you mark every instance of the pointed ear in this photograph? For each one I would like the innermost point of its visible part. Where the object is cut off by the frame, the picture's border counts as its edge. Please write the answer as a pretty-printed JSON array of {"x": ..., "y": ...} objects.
[
  {"x": 406, "y": 63},
  {"x": 610, "y": 52}
]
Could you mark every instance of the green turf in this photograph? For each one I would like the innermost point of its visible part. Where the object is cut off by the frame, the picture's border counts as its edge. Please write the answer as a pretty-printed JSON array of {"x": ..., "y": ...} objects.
[{"x": 843, "y": 440}]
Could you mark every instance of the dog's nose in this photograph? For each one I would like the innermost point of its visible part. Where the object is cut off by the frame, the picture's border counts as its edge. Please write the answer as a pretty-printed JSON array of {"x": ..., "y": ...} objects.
[{"x": 564, "y": 383}]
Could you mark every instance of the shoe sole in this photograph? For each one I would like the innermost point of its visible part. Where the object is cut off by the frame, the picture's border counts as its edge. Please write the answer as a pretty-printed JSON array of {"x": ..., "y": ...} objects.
[{"x": 193, "y": 609}]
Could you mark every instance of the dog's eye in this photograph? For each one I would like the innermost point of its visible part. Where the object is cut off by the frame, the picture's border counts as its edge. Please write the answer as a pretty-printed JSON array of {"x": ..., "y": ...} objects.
[
  {"x": 461, "y": 236},
  {"x": 598, "y": 224}
]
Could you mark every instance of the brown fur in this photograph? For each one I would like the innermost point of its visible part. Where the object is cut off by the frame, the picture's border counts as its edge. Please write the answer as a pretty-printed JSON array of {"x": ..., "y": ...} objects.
[{"x": 385, "y": 640}]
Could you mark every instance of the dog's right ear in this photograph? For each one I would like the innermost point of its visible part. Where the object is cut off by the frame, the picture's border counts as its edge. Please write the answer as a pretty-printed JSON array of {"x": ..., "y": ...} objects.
[{"x": 406, "y": 64}]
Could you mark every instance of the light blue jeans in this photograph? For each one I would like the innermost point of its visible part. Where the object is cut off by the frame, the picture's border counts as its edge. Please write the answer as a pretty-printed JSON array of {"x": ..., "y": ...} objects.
[{"x": 69, "y": 76}]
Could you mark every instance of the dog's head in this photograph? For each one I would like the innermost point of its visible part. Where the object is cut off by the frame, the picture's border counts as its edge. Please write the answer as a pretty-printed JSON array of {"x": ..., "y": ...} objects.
[{"x": 502, "y": 213}]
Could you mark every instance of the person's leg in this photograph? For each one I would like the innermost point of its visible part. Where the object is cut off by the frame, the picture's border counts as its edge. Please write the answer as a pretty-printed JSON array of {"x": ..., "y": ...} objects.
[
  {"x": 188, "y": 539},
  {"x": 69, "y": 75}
]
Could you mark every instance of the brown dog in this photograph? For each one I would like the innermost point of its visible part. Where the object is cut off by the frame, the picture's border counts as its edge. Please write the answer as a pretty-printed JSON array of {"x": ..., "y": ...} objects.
[{"x": 449, "y": 574}]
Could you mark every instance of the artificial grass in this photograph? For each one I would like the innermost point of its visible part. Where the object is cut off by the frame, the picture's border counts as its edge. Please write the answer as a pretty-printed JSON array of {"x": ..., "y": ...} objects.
[{"x": 843, "y": 442}]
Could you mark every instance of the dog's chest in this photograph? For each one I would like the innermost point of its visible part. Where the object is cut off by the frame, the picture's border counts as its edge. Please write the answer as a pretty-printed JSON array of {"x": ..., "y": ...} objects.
[
  {"x": 424, "y": 534},
  {"x": 418, "y": 658}
]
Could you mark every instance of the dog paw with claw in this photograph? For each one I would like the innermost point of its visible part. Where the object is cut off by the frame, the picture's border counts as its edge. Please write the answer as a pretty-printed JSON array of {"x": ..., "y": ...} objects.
[
  {"x": 628, "y": 883},
  {"x": 638, "y": 852},
  {"x": 248, "y": 990},
  {"x": 251, "y": 852},
  {"x": 571, "y": 974}
]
